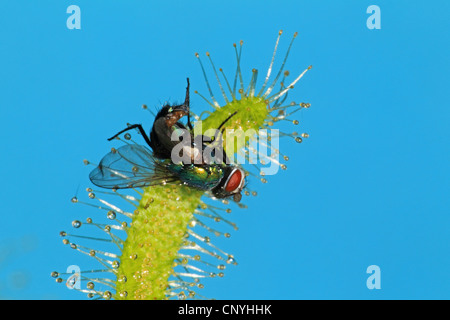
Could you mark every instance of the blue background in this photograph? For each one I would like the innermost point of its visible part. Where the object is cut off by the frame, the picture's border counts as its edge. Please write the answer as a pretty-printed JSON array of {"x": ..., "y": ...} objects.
[{"x": 370, "y": 185}]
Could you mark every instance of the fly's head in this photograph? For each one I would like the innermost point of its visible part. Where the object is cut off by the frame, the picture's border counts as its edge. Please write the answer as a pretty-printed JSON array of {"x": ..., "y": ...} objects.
[{"x": 231, "y": 185}]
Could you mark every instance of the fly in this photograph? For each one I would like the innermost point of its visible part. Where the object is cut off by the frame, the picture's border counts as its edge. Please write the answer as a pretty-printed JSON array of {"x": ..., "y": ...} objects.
[{"x": 134, "y": 166}]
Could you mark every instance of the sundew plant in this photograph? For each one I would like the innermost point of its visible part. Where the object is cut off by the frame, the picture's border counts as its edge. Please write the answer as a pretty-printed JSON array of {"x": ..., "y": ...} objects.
[{"x": 157, "y": 242}]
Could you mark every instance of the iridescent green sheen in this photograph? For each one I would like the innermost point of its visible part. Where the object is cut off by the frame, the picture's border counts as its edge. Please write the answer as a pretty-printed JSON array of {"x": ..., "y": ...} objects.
[{"x": 201, "y": 177}]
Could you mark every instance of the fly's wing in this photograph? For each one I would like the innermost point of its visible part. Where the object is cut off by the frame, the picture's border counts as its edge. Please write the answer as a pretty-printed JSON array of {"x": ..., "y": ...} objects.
[{"x": 130, "y": 166}]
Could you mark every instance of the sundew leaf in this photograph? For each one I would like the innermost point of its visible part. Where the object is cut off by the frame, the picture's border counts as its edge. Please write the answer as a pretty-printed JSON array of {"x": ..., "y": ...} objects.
[{"x": 156, "y": 244}]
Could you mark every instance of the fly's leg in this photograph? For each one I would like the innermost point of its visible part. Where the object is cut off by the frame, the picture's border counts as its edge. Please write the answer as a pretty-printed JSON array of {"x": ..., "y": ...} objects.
[
  {"x": 139, "y": 127},
  {"x": 186, "y": 103}
]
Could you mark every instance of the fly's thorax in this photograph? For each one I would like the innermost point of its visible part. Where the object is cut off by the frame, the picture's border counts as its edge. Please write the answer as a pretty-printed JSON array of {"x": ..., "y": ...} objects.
[
  {"x": 204, "y": 177},
  {"x": 163, "y": 133}
]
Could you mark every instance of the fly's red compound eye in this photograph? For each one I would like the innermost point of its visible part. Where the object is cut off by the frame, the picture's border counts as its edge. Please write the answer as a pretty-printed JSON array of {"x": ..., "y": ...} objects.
[{"x": 234, "y": 181}]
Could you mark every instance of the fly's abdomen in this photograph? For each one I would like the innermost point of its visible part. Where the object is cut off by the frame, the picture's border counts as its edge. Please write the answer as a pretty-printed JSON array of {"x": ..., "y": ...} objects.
[{"x": 200, "y": 177}]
